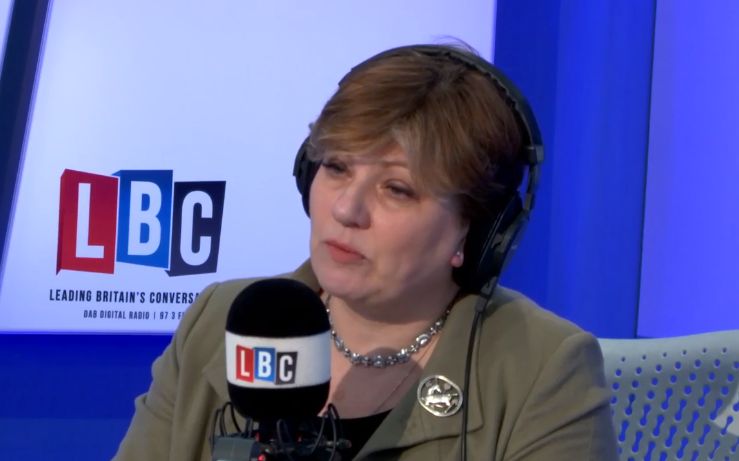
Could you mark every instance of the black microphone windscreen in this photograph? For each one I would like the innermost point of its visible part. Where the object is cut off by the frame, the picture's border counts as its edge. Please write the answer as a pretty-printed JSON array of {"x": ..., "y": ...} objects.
[{"x": 278, "y": 351}]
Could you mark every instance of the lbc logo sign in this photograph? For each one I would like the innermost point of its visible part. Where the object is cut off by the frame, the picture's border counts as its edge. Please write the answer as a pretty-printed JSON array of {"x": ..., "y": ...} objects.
[
  {"x": 139, "y": 217},
  {"x": 266, "y": 364}
]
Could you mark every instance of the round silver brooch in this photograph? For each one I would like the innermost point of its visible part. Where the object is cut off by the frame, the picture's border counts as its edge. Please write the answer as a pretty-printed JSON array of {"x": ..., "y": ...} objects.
[{"x": 439, "y": 395}]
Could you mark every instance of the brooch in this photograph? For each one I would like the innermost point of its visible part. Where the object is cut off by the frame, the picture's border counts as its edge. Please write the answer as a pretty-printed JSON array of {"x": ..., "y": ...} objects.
[{"x": 439, "y": 396}]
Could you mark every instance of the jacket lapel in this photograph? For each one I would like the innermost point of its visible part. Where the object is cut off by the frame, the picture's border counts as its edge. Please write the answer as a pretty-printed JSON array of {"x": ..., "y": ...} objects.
[
  {"x": 215, "y": 373},
  {"x": 409, "y": 423}
]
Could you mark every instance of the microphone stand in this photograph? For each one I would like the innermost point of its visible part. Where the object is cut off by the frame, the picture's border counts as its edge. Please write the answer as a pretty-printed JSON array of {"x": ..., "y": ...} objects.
[{"x": 278, "y": 440}]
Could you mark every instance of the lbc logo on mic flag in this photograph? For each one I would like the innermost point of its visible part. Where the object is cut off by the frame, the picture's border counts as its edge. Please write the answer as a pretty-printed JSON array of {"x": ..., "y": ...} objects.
[
  {"x": 266, "y": 364},
  {"x": 139, "y": 217}
]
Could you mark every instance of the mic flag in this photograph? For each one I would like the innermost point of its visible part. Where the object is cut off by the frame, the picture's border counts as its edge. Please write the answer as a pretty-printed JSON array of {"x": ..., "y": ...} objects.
[{"x": 278, "y": 351}]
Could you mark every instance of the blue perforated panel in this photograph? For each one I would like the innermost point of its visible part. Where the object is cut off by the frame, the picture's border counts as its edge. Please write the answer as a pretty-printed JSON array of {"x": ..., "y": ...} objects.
[{"x": 675, "y": 398}]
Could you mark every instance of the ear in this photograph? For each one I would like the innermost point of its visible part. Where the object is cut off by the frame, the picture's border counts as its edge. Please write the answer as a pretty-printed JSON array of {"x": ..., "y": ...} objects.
[
  {"x": 458, "y": 259},
  {"x": 458, "y": 256}
]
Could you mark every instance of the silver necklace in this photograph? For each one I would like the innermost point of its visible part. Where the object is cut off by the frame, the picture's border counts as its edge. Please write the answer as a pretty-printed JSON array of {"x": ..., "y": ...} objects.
[{"x": 383, "y": 361}]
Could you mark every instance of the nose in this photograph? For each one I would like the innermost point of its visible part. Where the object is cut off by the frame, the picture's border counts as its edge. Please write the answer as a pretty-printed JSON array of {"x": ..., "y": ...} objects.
[{"x": 351, "y": 205}]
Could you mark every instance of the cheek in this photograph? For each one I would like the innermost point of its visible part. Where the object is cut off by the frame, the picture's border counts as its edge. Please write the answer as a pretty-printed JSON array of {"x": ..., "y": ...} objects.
[
  {"x": 313, "y": 195},
  {"x": 318, "y": 203},
  {"x": 423, "y": 241}
]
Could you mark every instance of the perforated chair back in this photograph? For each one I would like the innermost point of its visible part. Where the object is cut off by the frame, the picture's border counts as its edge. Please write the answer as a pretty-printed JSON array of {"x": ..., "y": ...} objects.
[{"x": 675, "y": 398}]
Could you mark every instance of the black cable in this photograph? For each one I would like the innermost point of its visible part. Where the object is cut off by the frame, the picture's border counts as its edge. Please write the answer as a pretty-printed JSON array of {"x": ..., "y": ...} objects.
[
  {"x": 283, "y": 434},
  {"x": 334, "y": 417},
  {"x": 222, "y": 418},
  {"x": 338, "y": 432},
  {"x": 318, "y": 436},
  {"x": 480, "y": 307},
  {"x": 213, "y": 428},
  {"x": 233, "y": 417},
  {"x": 466, "y": 386}
]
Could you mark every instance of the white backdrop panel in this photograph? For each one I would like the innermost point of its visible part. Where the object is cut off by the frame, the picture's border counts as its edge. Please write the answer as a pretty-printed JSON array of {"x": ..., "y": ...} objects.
[{"x": 214, "y": 91}]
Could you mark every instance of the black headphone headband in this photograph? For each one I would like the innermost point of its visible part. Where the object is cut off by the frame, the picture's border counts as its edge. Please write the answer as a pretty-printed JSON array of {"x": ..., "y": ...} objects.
[{"x": 491, "y": 240}]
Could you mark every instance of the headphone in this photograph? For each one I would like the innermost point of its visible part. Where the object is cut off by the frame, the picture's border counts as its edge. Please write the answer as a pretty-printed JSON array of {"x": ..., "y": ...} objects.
[{"x": 492, "y": 239}]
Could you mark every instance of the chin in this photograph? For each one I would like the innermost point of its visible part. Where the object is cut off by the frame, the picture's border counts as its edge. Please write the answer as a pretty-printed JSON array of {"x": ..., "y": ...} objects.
[{"x": 339, "y": 281}]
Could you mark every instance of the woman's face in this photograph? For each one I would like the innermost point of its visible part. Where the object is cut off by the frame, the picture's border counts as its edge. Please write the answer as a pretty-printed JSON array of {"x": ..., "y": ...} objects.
[{"x": 374, "y": 235}]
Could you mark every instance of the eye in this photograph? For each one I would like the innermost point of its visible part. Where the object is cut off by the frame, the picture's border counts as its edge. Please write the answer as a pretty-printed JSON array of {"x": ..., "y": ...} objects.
[
  {"x": 334, "y": 167},
  {"x": 400, "y": 190}
]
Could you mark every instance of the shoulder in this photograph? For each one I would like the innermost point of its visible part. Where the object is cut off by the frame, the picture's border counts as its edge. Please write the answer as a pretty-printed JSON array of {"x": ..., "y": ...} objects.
[
  {"x": 513, "y": 316},
  {"x": 550, "y": 374},
  {"x": 519, "y": 335}
]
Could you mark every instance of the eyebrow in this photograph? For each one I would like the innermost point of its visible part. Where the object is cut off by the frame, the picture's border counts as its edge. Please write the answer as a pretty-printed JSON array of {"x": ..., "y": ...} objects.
[
  {"x": 393, "y": 163},
  {"x": 362, "y": 158},
  {"x": 381, "y": 161}
]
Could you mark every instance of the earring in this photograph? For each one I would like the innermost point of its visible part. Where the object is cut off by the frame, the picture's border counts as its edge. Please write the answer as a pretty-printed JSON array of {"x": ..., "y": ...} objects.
[{"x": 458, "y": 259}]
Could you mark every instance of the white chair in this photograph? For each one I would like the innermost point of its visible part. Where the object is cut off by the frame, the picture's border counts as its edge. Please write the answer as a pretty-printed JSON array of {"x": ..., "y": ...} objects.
[{"x": 675, "y": 398}]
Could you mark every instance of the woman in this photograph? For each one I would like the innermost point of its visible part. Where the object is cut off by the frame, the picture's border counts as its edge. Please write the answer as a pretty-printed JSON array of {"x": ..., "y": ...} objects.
[{"x": 410, "y": 168}]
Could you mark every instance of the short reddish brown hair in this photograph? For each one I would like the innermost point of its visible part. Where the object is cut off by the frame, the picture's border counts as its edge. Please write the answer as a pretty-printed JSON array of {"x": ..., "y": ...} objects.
[{"x": 450, "y": 118}]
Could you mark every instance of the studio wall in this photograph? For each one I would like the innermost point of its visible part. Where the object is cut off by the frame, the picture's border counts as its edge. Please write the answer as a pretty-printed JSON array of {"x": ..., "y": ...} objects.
[{"x": 608, "y": 245}]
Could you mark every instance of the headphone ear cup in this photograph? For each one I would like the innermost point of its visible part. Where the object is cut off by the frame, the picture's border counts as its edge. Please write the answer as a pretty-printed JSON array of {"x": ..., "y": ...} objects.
[
  {"x": 489, "y": 245},
  {"x": 304, "y": 170},
  {"x": 509, "y": 239}
]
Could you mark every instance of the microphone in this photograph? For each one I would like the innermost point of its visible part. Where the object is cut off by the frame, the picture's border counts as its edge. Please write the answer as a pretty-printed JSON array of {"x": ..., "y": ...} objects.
[
  {"x": 278, "y": 365},
  {"x": 278, "y": 358}
]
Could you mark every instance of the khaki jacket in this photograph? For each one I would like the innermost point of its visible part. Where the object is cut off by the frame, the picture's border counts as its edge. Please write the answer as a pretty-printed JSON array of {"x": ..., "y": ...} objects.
[{"x": 537, "y": 390}]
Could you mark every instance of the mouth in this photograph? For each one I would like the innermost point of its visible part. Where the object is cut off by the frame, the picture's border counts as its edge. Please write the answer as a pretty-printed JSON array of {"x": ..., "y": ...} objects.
[{"x": 343, "y": 253}]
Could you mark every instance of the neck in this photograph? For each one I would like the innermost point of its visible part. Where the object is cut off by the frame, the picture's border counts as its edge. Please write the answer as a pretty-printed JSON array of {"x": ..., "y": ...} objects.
[{"x": 381, "y": 327}]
